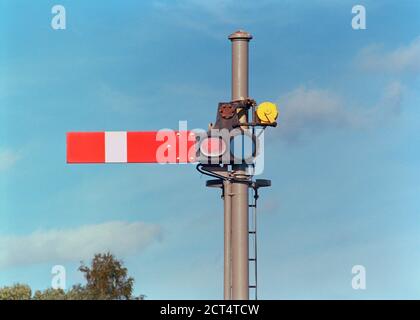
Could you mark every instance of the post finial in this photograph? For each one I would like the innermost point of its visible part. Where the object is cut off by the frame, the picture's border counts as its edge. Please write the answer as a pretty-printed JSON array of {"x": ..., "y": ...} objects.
[{"x": 240, "y": 35}]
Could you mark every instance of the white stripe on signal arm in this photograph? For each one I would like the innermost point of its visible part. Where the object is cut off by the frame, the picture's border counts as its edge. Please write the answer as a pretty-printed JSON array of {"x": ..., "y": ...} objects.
[{"x": 115, "y": 146}]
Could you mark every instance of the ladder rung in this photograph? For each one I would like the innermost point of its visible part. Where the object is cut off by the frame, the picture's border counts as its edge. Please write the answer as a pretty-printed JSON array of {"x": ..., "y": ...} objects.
[
  {"x": 252, "y": 205},
  {"x": 252, "y": 232},
  {"x": 252, "y": 259},
  {"x": 252, "y": 287}
]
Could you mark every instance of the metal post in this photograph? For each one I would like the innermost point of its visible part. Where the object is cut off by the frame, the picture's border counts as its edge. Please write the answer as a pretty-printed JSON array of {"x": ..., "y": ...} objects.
[
  {"x": 228, "y": 240},
  {"x": 239, "y": 210}
]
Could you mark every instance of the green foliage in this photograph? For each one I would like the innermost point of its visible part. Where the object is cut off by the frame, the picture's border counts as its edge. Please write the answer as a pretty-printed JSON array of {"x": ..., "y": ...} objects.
[
  {"x": 106, "y": 279},
  {"x": 50, "y": 294},
  {"x": 16, "y": 292},
  {"x": 79, "y": 292}
]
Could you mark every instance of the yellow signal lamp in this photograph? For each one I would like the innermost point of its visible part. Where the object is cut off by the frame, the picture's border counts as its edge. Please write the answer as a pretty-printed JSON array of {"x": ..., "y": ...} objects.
[{"x": 267, "y": 112}]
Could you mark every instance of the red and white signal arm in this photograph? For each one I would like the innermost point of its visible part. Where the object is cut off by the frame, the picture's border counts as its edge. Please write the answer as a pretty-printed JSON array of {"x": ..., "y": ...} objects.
[{"x": 131, "y": 147}]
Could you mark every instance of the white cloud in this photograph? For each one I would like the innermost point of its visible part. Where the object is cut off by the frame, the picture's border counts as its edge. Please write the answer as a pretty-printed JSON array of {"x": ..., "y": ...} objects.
[
  {"x": 312, "y": 110},
  {"x": 403, "y": 59},
  {"x": 7, "y": 159},
  {"x": 61, "y": 245},
  {"x": 315, "y": 110},
  {"x": 392, "y": 97}
]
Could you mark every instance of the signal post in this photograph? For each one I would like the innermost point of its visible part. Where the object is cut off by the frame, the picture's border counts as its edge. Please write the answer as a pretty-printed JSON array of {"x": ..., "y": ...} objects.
[{"x": 239, "y": 190}]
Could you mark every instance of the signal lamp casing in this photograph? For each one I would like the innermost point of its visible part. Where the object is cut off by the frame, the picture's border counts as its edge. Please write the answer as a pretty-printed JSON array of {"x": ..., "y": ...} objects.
[{"x": 227, "y": 147}]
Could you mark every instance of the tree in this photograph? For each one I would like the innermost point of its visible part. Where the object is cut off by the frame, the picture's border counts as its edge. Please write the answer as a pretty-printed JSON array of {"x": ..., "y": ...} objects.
[
  {"x": 16, "y": 292},
  {"x": 50, "y": 294},
  {"x": 107, "y": 278},
  {"x": 79, "y": 292}
]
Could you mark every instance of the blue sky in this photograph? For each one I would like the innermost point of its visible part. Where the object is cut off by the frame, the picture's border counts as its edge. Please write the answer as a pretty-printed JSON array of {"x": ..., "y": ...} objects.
[{"x": 343, "y": 161}]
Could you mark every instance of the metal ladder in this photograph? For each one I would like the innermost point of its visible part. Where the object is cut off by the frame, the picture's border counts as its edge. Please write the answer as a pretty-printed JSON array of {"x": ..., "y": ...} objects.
[{"x": 252, "y": 238}]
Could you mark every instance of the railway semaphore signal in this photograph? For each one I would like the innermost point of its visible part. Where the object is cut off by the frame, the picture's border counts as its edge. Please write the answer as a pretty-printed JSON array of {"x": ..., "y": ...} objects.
[{"x": 229, "y": 151}]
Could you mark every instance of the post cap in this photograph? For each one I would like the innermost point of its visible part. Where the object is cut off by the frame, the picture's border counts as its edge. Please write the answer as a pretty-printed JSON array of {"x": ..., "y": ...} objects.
[{"x": 240, "y": 35}]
